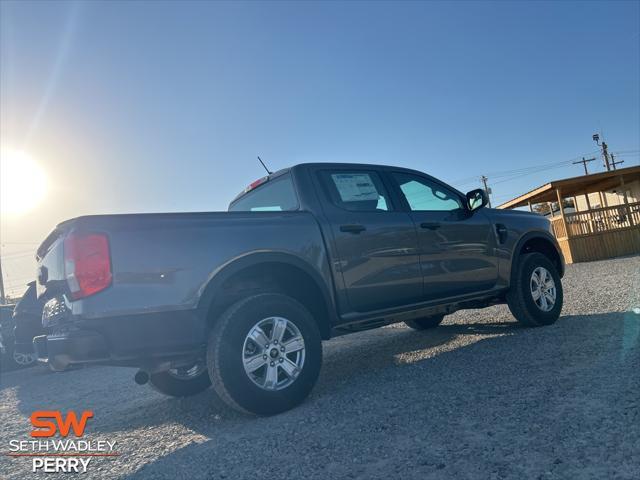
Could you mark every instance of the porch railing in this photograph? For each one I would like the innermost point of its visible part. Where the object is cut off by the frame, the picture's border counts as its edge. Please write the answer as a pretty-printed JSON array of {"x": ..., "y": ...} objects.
[{"x": 597, "y": 220}]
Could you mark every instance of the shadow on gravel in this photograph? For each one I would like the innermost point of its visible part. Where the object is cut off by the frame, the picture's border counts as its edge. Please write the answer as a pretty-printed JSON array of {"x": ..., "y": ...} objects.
[
  {"x": 345, "y": 359},
  {"x": 362, "y": 372},
  {"x": 380, "y": 349},
  {"x": 14, "y": 378},
  {"x": 497, "y": 361}
]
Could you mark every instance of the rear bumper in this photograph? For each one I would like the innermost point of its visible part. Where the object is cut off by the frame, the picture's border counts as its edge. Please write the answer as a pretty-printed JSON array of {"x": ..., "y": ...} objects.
[
  {"x": 143, "y": 340},
  {"x": 79, "y": 347}
]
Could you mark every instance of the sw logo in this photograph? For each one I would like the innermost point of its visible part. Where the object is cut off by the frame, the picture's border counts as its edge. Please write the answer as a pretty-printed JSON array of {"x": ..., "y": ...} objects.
[{"x": 47, "y": 422}]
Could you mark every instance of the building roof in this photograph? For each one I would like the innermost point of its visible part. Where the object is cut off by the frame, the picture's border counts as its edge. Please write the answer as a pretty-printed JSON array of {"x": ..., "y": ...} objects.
[{"x": 596, "y": 182}]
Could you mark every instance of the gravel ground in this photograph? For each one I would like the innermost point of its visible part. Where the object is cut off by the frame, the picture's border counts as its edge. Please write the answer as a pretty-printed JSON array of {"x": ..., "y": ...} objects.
[{"x": 480, "y": 397}]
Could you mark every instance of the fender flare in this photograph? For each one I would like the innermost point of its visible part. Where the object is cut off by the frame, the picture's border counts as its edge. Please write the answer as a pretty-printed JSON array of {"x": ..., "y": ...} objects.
[
  {"x": 515, "y": 256},
  {"x": 221, "y": 274}
]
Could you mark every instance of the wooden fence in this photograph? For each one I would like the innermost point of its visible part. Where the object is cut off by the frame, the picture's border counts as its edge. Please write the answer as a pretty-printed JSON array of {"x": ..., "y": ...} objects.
[
  {"x": 599, "y": 233},
  {"x": 597, "y": 220}
]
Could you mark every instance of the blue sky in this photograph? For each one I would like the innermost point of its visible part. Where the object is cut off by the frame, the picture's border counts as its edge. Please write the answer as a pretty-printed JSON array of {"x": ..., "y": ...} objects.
[{"x": 133, "y": 107}]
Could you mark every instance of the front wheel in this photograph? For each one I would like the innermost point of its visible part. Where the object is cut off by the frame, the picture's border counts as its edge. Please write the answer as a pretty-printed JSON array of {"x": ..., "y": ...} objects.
[
  {"x": 264, "y": 354},
  {"x": 535, "y": 297}
]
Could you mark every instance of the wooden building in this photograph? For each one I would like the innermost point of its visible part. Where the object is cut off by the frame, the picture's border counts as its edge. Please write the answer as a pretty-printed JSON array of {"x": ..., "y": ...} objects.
[{"x": 606, "y": 220}]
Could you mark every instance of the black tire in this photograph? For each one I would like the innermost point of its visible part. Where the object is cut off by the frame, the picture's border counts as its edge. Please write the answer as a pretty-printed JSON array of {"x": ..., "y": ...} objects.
[
  {"x": 23, "y": 360},
  {"x": 425, "y": 323},
  {"x": 8, "y": 362},
  {"x": 14, "y": 360},
  {"x": 520, "y": 299},
  {"x": 226, "y": 349},
  {"x": 24, "y": 356},
  {"x": 169, "y": 383}
]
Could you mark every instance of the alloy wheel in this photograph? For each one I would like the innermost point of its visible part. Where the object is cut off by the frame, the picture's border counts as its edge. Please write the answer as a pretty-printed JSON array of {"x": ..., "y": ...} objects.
[
  {"x": 273, "y": 353},
  {"x": 543, "y": 289},
  {"x": 23, "y": 359}
]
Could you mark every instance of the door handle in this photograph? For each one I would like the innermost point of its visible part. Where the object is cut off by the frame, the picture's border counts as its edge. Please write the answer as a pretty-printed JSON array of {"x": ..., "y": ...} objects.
[
  {"x": 430, "y": 225},
  {"x": 352, "y": 228}
]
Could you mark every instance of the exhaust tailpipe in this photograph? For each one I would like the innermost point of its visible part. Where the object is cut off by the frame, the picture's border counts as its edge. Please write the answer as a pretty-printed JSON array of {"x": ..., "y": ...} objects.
[{"x": 141, "y": 377}]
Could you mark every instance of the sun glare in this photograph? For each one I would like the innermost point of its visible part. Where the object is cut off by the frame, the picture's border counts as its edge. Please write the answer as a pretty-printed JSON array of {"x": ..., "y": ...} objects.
[{"x": 23, "y": 183}]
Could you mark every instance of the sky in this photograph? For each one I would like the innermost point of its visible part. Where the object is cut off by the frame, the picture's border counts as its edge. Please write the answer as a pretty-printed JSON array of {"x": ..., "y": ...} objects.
[{"x": 164, "y": 106}]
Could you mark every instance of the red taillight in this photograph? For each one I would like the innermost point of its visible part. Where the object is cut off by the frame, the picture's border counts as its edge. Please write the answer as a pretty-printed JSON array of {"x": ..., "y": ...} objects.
[
  {"x": 87, "y": 264},
  {"x": 255, "y": 184}
]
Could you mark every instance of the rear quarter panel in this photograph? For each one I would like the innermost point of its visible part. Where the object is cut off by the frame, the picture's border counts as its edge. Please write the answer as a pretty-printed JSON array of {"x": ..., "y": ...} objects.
[{"x": 164, "y": 262}]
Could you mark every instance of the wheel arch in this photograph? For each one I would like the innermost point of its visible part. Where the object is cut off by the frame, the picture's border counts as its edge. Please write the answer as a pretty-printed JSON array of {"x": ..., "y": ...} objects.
[
  {"x": 541, "y": 242},
  {"x": 269, "y": 271}
]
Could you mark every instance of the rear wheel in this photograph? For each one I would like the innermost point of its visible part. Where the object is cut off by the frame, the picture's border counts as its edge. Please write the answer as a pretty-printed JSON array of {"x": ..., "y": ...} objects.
[
  {"x": 264, "y": 354},
  {"x": 16, "y": 358},
  {"x": 24, "y": 359},
  {"x": 425, "y": 323},
  {"x": 181, "y": 382},
  {"x": 535, "y": 297}
]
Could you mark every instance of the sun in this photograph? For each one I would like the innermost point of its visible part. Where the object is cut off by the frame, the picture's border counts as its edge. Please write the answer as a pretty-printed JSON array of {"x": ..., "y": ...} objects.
[{"x": 23, "y": 183}]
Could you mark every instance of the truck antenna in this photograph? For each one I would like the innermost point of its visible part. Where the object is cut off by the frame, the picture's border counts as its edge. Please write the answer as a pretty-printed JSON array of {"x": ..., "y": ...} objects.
[{"x": 265, "y": 167}]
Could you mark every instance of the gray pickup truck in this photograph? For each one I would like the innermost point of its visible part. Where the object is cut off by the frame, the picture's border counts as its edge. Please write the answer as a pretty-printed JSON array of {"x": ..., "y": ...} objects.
[{"x": 241, "y": 300}]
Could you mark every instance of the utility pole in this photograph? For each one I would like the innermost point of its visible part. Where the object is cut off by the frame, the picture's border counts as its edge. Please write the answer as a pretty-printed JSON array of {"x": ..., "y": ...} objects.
[
  {"x": 605, "y": 153},
  {"x": 2, "y": 297},
  {"x": 584, "y": 163},
  {"x": 486, "y": 189},
  {"x": 614, "y": 163}
]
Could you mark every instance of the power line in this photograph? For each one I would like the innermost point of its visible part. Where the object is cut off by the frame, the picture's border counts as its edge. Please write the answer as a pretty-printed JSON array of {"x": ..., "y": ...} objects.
[
  {"x": 14, "y": 282},
  {"x": 613, "y": 161},
  {"x": 626, "y": 154},
  {"x": 538, "y": 166},
  {"x": 2, "y": 296},
  {"x": 18, "y": 258},
  {"x": 524, "y": 174},
  {"x": 528, "y": 169},
  {"x": 584, "y": 163},
  {"x": 22, "y": 250},
  {"x": 626, "y": 151},
  {"x": 20, "y": 279},
  {"x": 523, "y": 171},
  {"x": 504, "y": 195},
  {"x": 18, "y": 252},
  {"x": 29, "y": 243},
  {"x": 19, "y": 282}
]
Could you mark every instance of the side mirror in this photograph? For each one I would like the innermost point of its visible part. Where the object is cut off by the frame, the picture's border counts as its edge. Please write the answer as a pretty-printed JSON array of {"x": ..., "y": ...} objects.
[{"x": 477, "y": 199}]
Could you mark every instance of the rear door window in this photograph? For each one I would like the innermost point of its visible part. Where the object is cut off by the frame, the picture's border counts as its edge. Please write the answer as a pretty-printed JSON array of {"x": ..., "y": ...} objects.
[
  {"x": 276, "y": 195},
  {"x": 359, "y": 191}
]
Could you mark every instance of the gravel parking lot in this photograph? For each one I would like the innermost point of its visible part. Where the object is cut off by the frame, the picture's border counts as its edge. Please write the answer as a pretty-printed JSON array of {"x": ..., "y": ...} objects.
[{"x": 480, "y": 397}]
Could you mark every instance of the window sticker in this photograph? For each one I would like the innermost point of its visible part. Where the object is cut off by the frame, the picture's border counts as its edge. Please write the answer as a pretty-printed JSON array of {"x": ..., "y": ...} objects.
[{"x": 355, "y": 187}]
